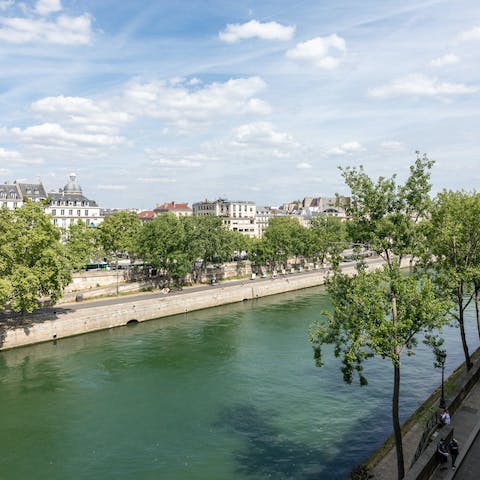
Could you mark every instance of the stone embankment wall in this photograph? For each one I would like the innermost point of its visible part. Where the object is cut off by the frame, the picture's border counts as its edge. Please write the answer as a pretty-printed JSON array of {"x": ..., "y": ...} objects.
[
  {"x": 94, "y": 279},
  {"x": 75, "y": 321}
]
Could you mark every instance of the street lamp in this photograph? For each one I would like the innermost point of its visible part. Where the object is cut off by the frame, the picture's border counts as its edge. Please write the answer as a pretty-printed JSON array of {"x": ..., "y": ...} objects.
[{"x": 442, "y": 355}]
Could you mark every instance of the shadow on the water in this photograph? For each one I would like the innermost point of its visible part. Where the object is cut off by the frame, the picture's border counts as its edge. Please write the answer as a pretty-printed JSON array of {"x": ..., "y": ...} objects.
[{"x": 268, "y": 453}]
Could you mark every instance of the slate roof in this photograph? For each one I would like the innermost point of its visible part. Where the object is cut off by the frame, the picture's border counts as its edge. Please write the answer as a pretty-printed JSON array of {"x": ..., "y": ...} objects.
[
  {"x": 9, "y": 191},
  {"x": 33, "y": 191}
]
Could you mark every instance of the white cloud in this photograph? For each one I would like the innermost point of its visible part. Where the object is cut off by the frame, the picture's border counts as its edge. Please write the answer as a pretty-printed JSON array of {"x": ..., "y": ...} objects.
[
  {"x": 266, "y": 31},
  {"x": 9, "y": 155},
  {"x": 186, "y": 108},
  {"x": 303, "y": 165},
  {"x": 346, "y": 148},
  {"x": 392, "y": 145},
  {"x": 17, "y": 158},
  {"x": 261, "y": 134},
  {"x": 420, "y": 85},
  {"x": 4, "y": 4},
  {"x": 53, "y": 134},
  {"x": 320, "y": 51},
  {"x": 258, "y": 107},
  {"x": 447, "y": 59},
  {"x": 156, "y": 180},
  {"x": 81, "y": 111},
  {"x": 172, "y": 159},
  {"x": 4, "y": 172},
  {"x": 44, "y": 7},
  {"x": 63, "y": 30},
  {"x": 112, "y": 187},
  {"x": 472, "y": 34}
]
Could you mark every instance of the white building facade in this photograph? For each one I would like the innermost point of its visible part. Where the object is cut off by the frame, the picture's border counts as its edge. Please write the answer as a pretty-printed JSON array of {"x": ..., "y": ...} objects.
[
  {"x": 69, "y": 205},
  {"x": 238, "y": 216}
]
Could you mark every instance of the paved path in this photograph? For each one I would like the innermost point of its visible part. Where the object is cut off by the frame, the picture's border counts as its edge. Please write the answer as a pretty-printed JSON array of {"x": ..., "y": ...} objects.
[
  {"x": 466, "y": 425},
  {"x": 50, "y": 313}
]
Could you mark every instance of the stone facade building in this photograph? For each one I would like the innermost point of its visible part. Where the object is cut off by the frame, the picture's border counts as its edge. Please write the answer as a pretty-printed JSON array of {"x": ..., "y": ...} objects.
[
  {"x": 69, "y": 205},
  {"x": 238, "y": 216}
]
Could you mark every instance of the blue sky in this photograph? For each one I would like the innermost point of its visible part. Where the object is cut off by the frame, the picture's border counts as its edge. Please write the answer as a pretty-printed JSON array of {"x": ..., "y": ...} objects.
[{"x": 151, "y": 101}]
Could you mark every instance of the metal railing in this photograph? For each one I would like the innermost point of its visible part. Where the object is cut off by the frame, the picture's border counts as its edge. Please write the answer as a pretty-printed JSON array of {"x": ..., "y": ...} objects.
[{"x": 430, "y": 427}]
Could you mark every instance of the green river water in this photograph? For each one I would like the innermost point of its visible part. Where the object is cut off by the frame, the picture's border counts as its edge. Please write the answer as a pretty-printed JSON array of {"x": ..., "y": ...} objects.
[{"x": 224, "y": 393}]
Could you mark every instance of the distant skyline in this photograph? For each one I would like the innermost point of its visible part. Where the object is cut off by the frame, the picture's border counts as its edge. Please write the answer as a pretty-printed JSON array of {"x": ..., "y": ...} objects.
[{"x": 155, "y": 101}]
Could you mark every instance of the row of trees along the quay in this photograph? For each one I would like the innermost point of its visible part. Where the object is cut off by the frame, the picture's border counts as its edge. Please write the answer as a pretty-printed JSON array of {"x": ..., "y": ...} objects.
[
  {"x": 380, "y": 313},
  {"x": 451, "y": 253},
  {"x": 285, "y": 238},
  {"x": 33, "y": 261}
]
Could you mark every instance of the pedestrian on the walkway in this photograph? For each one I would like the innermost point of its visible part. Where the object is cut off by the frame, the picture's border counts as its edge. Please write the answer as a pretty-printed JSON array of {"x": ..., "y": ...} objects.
[
  {"x": 442, "y": 454},
  {"x": 453, "y": 449},
  {"x": 445, "y": 418}
]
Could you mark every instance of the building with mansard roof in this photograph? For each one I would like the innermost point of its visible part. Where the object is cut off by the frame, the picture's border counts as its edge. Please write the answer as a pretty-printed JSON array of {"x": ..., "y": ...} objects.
[
  {"x": 10, "y": 196},
  {"x": 69, "y": 205}
]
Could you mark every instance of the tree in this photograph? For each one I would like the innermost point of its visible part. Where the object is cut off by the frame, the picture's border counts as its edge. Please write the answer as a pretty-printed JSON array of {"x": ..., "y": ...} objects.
[
  {"x": 329, "y": 237},
  {"x": 380, "y": 313},
  {"x": 208, "y": 241},
  {"x": 81, "y": 245},
  {"x": 33, "y": 262},
  {"x": 118, "y": 234},
  {"x": 453, "y": 252},
  {"x": 280, "y": 239},
  {"x": 161, "y": 243}
]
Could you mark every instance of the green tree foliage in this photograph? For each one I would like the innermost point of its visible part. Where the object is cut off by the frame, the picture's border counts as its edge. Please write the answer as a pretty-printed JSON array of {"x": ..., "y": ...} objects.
[
  {"x": 329, "y": 235},
  {"x": 179, "y": 246},
  {"x": 33, "y": 262},
  {"x": 380, "y": 313},
  {"x": 452, "y": 252},
  {"x": 209, "y": 241},
  {"x": 162, "y": 243},
  {"x": 118, "y": 234},
  {"x": 81, "y": 245},
  {"x": 282, "y": 239}
]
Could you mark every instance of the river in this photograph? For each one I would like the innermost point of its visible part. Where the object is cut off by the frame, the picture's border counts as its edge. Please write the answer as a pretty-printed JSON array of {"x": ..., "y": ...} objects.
[{"x": 224, "y": 393}]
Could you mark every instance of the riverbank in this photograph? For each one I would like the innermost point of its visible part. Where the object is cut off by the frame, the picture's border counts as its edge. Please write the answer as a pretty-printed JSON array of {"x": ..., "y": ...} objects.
[{"x": 67, "y": 320}]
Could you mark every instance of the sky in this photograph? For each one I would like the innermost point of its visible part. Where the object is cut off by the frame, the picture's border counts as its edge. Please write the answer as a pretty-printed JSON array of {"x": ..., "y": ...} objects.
[{"x": 153, "y": 101}]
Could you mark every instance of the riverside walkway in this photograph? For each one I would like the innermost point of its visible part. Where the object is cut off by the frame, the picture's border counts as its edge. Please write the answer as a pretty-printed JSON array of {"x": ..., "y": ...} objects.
[{"x": 465, "y": 422}]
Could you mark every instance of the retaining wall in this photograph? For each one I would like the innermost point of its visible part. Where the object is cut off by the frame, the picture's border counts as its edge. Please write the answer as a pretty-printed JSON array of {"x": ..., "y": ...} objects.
[{"x": 66, "y": 322}]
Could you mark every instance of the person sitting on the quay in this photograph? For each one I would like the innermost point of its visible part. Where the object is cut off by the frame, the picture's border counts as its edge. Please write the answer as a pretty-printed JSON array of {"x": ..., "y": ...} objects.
[
  {"x": 445, "y": 418},
  {"x": 453, "y": 449},
  {"x": 442, "y": 454}
]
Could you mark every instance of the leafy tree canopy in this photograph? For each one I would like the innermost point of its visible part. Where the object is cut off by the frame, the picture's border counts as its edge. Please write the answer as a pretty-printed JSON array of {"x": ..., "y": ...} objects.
[{"x": 33, "y": 262}]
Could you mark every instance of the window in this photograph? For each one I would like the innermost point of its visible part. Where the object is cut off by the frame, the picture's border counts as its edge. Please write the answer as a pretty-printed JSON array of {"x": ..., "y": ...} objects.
[
  {"x": 70, "y": 212},
  {"x": 79, "y": 212},
  {"x": 62, "y": 212},
  {"x": 54, "y": 212},
  {"x": 86, "y": 213}
]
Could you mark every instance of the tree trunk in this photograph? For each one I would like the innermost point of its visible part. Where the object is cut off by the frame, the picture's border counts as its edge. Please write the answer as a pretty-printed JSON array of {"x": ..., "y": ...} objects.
[
  {"x": 468, "y": 362},
  {"x": 396, "y": 422},
  {"x": 477, "y": 306},
  {"x": 396, "y": 394}
]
